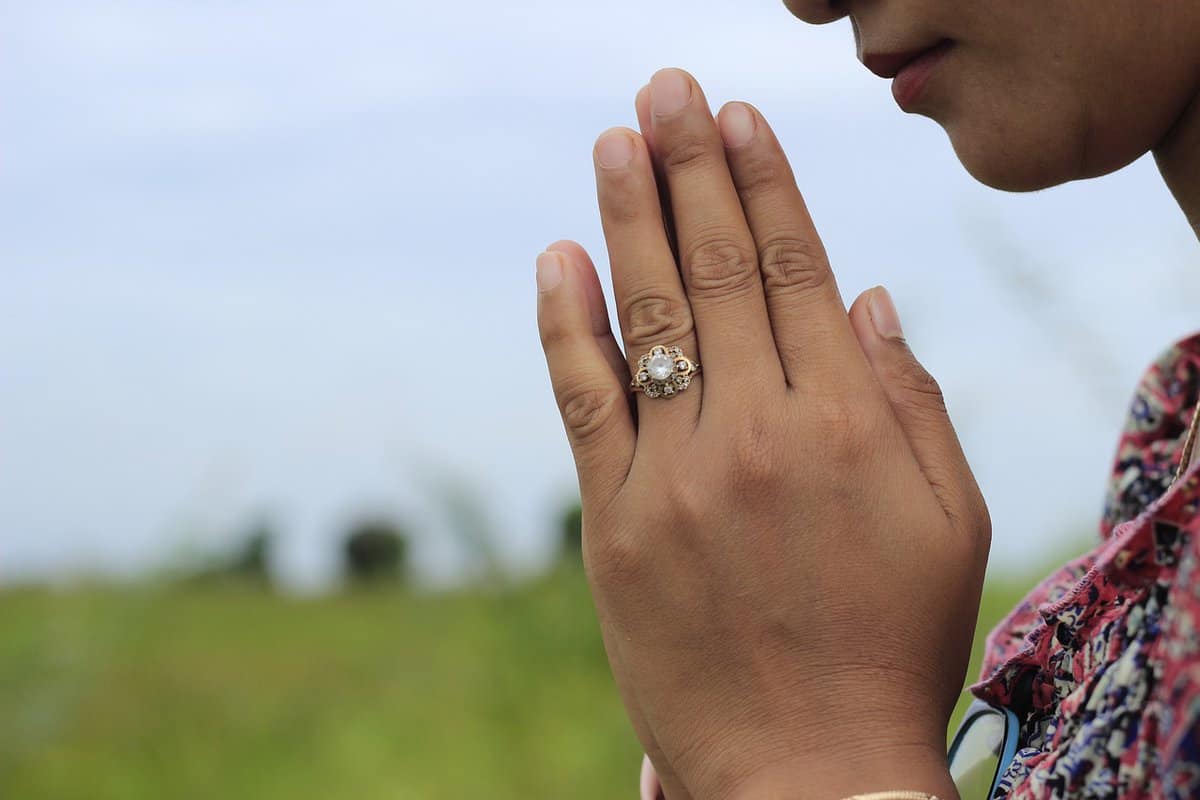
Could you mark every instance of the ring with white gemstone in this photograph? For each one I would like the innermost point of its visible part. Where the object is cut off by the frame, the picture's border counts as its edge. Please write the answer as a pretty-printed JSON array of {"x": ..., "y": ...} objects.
[{"x": 664, "y": 372}]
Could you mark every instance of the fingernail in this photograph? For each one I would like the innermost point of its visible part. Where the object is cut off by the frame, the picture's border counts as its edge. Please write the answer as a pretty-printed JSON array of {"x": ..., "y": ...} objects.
[
  {"x": 670, "y": 91},
  {"x": 549, "y": 271},
  {"x": 614, "y": 149},
  {"x": 737, "y": 124},
  {"x": 883, "y": 314}
]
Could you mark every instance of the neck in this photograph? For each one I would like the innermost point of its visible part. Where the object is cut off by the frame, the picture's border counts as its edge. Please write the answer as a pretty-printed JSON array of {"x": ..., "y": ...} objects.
[{"x": 1178, "y": 158}]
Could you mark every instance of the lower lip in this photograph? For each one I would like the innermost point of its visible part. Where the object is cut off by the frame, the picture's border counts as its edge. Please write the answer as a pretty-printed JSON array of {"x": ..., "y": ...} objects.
[{"x": 910, "y": 81}]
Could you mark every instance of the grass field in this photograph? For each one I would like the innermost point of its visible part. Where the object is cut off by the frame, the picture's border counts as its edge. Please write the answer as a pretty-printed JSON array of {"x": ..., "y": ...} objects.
[{"x": 231, "y": 691}]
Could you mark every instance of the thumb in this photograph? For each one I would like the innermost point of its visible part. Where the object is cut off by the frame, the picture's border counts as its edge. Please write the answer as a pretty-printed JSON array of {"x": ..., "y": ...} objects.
[{"x": 917, "y": 401}]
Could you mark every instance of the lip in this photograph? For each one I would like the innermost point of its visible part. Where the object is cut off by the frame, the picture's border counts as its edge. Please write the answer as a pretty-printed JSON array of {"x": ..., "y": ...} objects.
[
  {"x": 886, "y": 65},
  {"x": 910, "y": 78}
]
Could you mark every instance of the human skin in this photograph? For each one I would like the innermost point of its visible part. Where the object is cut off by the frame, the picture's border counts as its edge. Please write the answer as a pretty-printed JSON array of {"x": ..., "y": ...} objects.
[{"x": 786, "y": 558}]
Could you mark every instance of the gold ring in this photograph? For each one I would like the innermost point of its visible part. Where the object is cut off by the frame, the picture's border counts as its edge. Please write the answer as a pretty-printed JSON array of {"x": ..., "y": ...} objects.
[{"x": 664, "y": 372}]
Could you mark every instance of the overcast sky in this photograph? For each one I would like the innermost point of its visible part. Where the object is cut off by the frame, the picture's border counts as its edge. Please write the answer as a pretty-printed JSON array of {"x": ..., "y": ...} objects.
[{"x": 276, "y": 258}]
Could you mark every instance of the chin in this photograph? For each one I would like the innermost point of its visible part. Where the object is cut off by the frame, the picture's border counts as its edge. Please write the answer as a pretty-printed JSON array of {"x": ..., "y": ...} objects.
[
  {"x": 997, "y": 158},
  {"x": 1026, "y": 152}
]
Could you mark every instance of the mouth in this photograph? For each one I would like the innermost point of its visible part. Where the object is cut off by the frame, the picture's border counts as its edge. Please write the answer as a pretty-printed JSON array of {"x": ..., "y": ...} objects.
[
  {"x": 888, "y": 65},
  {"x": 910, "y": 69}
]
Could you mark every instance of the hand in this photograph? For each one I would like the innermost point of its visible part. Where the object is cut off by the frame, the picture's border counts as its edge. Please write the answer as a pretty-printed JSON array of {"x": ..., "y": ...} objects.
[{"x": 786, "y": 557}]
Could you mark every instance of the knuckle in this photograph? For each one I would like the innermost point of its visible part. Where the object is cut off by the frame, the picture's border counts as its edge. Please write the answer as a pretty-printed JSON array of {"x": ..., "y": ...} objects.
[
  {"x": 554, "y": 330},
  {"x": 686, "y": 152},
  {"x": 587, "y": 410},
  {"x": 972, "y": 533},
  {"x": 983, "y": 523},
  {"x": 848, "y": 426},
  {"x": 979, "y": 516},
  {"x": 716, "y": 262},
  {"x": 794, "y": 264},
  {"x": 921, "y": 388},
  {"x": 620, "y": 198},
  {"x": 689, "y": 502},
  {"x": 655, "y": 316},
  {"x": 834, "y": 413},
  {"x": 762, "y": 175},
  {"x": 753, "y": 453},
  {"x": 614, "y": 561}
]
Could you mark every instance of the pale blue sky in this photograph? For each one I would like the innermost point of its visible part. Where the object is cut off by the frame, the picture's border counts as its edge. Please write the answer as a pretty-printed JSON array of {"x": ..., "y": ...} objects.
[{"x": 275, "y": 257}]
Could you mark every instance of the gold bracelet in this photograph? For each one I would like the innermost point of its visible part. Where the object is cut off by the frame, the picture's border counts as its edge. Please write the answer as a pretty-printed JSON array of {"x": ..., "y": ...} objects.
[{"x": 905, "y": 795}]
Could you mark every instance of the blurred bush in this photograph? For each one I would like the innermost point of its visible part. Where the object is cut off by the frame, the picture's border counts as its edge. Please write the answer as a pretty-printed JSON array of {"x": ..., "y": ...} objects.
[
  {"x": 375, "y": 550},
  {"x": 571, "y": 530},
  {"x": 248, "y": 559},
  {"x": 253, "y": 558}
]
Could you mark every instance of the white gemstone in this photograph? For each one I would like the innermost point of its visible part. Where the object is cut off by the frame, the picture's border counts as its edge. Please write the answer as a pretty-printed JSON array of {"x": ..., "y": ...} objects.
[{"x": 660, "y": 367}]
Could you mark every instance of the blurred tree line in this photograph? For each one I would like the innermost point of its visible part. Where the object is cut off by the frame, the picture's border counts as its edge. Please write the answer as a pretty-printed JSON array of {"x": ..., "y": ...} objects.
[
  {"x": 371, "y": 550},
  {"x": 375, "y": 550}
]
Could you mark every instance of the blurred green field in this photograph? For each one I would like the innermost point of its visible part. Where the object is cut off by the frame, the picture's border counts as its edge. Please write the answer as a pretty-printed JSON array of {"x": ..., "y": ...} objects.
[{"x": 231, "y": 691}]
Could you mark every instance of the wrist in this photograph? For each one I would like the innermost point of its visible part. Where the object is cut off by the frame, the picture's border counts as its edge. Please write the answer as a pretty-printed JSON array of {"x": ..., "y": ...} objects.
[{"x": 835, "y": 776}]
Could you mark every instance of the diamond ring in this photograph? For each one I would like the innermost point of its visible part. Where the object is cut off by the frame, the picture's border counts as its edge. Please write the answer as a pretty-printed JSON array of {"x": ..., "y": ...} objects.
[{"x": 664, "y": 372}]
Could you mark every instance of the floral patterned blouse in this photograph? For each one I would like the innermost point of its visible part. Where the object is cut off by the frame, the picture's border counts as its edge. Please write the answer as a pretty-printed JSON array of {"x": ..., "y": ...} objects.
[{"x": 1101, "y": 662}]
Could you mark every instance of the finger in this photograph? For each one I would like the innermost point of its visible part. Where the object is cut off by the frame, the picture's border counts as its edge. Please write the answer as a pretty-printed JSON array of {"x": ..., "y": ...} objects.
[
  {"x": 642, "y": 104},
  {"x": 808, "y": 316},
  {"x": 597, "y": 308},
  {"x": 716, "y": 250},
  {"x": 591, "y": 399},
  {"x": 649, "y": 787},
  {"x": 920, "y": 408},
  {"x": 655, "y": 785},
  {"x": 651, "y": 304},
  {"x": 578, "y": 261}
]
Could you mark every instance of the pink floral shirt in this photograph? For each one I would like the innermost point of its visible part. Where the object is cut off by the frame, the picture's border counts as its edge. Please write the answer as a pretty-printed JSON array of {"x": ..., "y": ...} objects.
[{"x": 1101, "y": 662}]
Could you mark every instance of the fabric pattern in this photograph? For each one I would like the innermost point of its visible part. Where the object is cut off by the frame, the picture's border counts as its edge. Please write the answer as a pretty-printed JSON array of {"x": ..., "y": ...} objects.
[{"x": 1101, "y": 662}]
